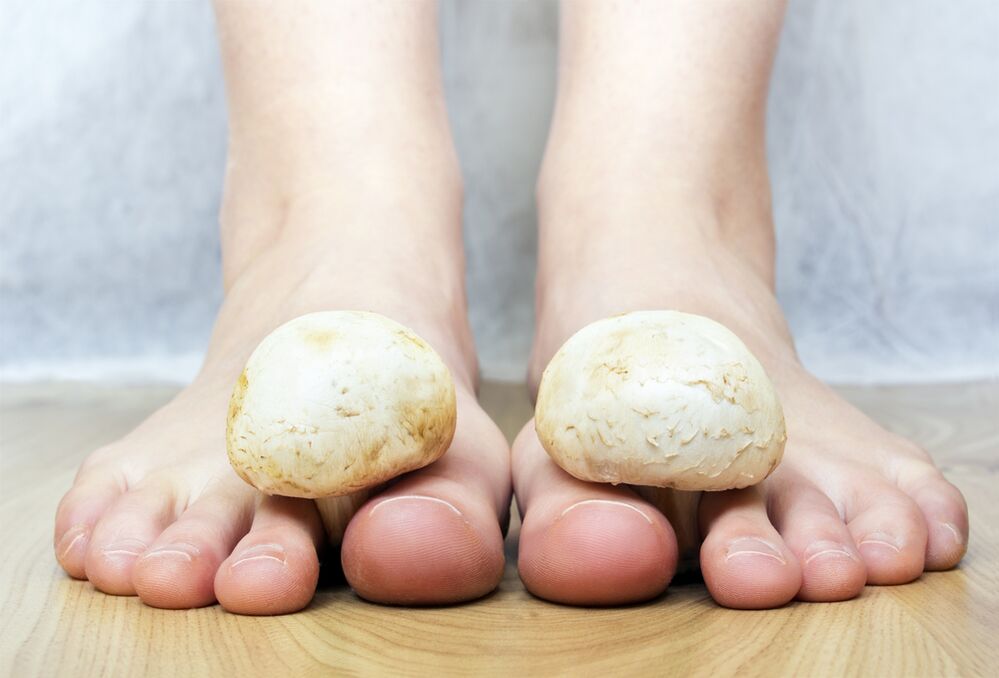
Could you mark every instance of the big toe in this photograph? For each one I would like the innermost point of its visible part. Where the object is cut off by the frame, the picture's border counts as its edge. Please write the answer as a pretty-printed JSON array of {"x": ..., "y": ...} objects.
[
  {"x": 434, "y": 537},
  {"x": 586, "y": 543},
  {"x": 415, "y": 547}
]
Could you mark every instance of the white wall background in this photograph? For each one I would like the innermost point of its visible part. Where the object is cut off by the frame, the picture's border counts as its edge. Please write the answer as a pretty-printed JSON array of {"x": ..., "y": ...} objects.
[{"x": 884, "y": 143}]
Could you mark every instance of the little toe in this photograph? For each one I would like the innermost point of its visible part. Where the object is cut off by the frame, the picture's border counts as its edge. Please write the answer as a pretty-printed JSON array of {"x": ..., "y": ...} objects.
[
  {"x": 275, "y": 567},
  {"x": 587, "y": 543},
  {"x": 434, "y": 537},
  {"x": 127, "y": 529},
  {"x": 890, "y": 533},
  {"x": 946, "y": 514},
  {"x": 79, "y": 511},
  {"x": 178, "y": 569},
  {"x": 745, "y": 562},
  {"x": 831, "y": 567}
]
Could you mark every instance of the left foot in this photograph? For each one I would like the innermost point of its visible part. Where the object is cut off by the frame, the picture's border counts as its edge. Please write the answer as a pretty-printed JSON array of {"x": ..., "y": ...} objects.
[{"x": 850, "y": 504}]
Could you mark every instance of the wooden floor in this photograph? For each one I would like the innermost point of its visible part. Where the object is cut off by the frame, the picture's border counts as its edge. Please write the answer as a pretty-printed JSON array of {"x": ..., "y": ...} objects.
[{"x": 943, "y": 624}]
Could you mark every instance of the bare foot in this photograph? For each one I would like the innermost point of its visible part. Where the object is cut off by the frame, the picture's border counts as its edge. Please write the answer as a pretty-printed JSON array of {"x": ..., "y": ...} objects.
[
  {"x": 850, "y": 504},
  {"x": 654, "y": 195},
  {"x": 161, "y": 514},
  {"x": 334, "y": 200}
]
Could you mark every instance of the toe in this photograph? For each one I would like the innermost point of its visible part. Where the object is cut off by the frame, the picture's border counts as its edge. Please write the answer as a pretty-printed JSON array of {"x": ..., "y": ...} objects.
[
  {"x": 744, "y": 560},
  {"x": 124, "y": 533},
  {"x": 890, "y": 533},
  {"x": 178, "y": 569},
  {"x": 946, "y": 514},
  {"x": 414, "y": 546},
  {"x": 587, "y": 543},
  {"x": 79, "y": 511},
  {"x": 807, "y": 520},
  {"x": 434, "y": 537},
  {"x": 275, "y": 567}
]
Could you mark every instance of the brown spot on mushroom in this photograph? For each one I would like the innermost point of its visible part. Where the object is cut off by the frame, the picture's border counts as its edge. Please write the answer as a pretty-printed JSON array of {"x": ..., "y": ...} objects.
[
  {"x": 413, "y": 339},
  {"x": 238, "y": 395},
  {"x": 320, "y": 339}
]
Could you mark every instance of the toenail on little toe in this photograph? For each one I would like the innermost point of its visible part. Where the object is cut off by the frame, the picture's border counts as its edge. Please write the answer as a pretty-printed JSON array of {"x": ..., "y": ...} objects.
[
  {"x": 754, "y": 547},
  {"x": 125, "y": 548},
  {"x": 827, "y": 550},
  {"x": 179, "y": 551},
  {"x": 261, "y": 553},
  {"x": 882, "y": 540},
  {"x": 72, "y": 538}
]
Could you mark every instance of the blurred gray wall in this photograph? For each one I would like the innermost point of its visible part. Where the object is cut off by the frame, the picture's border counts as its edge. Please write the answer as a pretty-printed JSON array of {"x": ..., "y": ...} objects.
[{"x": 884, "y": 144}]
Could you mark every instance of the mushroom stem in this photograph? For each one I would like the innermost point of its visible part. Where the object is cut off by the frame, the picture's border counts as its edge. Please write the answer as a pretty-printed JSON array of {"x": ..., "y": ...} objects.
[
  {"x": 680, "y": 509},
  {"x": 336, "y": 512}
]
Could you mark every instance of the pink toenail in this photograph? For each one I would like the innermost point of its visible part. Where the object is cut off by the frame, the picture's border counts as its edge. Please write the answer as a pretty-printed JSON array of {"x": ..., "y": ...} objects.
[
  {"x": 273, "y": 552},
  {"x": 418, "y": 497},
  {"x": 181, "y": 550},
  {"x": 881, "y": 539},
  {"x": 70, "y": 539},
  {"x": 607, "y": 502},
  {"x": 952, "y": 528},
  {"x": 124, "y": 547},
  {"x": 752, "y": 546},
  {"x": 826, "y": 550}
]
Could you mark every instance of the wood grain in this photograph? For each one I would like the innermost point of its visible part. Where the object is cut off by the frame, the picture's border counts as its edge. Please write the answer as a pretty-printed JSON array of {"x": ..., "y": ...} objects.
[{"x": 944, "y": 624}]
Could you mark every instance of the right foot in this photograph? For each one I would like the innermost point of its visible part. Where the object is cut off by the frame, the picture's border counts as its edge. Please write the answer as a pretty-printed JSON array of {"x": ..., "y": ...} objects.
[
  {"x": 160, "y": 514},
  {"x": 342, "y": 192}
]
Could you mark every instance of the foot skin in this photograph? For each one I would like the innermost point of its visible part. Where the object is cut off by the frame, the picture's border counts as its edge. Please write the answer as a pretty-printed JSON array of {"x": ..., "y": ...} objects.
[
  {"x": 851, "y": 503},
  {"x": 160, "y": 514}
]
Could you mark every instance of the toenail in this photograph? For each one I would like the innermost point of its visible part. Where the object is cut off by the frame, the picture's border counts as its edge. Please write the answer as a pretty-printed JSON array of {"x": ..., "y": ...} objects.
[
  {"x": 180, "y": 550},
  {"x": 607, "y": 502},
  {"x": 752, "y": 546},
  {"x": 826, "y": 550},
  {"x": 124, "y": 547},
  {"x": 418, "y": 497},
  {"x": 881, "y": 539},
  {"x": 70, "y": 539},
  {"x": 273, "y": 552},
  {"x": 954, "y": 532}
]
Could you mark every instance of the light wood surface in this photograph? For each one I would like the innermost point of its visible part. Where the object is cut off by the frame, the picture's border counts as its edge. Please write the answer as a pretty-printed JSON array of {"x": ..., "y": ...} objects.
[{"x": 944, "y": 624}]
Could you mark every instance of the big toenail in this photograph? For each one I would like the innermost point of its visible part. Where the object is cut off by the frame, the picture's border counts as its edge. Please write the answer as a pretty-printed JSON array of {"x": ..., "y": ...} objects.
[
  {"x": 180, "y": 550},
  {"x": 607, "y": 502},
  {"x": 124, "y": 547},
  {"x": 70, "y": 539},
  {"x": 752, "y": 546},
  {"x": 826, "y": 550},
  {"x": 416, "y": 497},
  {"x": 260, "y": 552},
  {"x": 881, "y": 539},
  {"x": 951, "y": 528}
]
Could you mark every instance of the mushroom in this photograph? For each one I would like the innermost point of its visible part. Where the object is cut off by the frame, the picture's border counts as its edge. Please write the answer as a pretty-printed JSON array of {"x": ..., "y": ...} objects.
[
  {"x": 662, "y": 399},
  {"x": 332, "y": 404}
]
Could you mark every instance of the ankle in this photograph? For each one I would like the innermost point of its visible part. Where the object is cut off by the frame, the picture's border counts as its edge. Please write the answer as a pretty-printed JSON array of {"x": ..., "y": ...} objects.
[
  {"x": 373, "y": 202},
  {"x": 637, "y": 221}
]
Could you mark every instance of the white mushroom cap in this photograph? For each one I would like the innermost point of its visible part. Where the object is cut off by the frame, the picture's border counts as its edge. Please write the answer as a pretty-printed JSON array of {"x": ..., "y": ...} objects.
[
  {"x": 660, "y": 398},
  {"x": 335, "y": 402}
]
